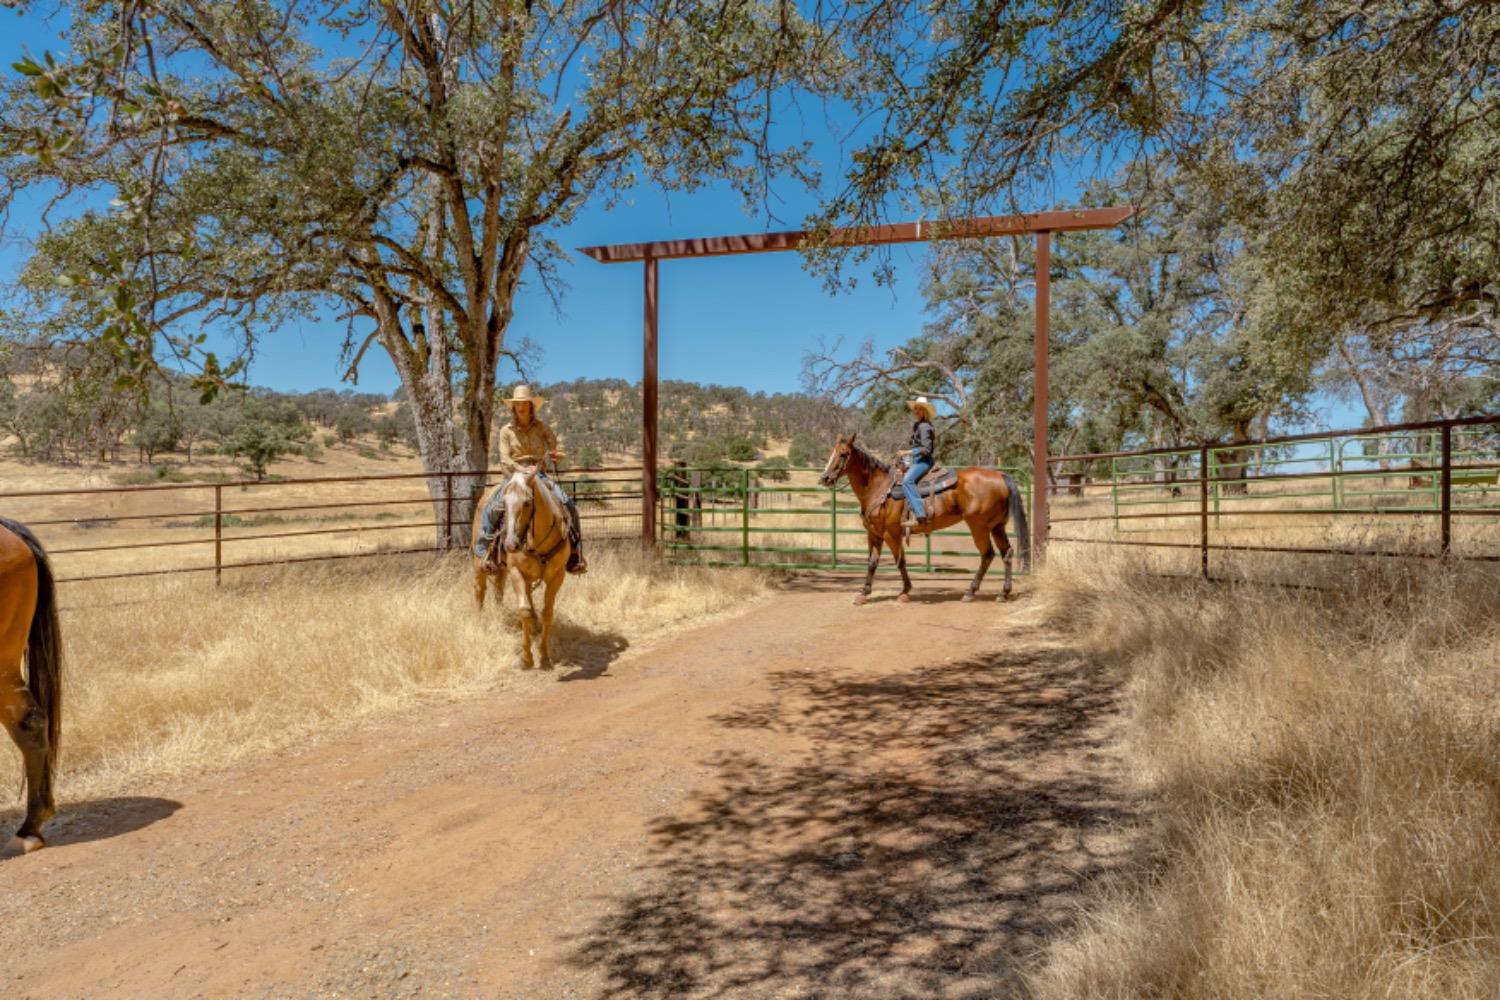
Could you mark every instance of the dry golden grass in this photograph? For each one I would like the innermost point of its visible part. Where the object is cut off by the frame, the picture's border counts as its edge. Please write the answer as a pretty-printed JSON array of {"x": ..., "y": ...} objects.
[
  {"x": 174, "y": 677},
  {"x": 1325, "y": 771}
]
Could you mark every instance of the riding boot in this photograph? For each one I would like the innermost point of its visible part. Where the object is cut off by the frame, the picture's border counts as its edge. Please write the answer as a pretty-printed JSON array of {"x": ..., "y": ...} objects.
[{"x": 576, "y": 562}]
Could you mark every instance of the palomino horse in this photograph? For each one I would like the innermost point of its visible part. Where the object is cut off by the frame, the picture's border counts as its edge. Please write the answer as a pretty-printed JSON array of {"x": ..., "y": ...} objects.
[
  {"x": 983, "y": 499},
  {"x": 31, "y": 707},
  {"x": 535, "y": 550}
]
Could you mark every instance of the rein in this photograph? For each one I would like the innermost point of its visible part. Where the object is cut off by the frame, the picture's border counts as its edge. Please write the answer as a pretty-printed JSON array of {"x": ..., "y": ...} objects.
[{"x": 557, "y": 529}]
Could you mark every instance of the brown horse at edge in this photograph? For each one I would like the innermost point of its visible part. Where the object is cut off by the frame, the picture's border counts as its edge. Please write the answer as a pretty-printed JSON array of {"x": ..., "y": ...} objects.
[
  {"x": 30, "y": 704},
  {"x": 984, "y": 499}
]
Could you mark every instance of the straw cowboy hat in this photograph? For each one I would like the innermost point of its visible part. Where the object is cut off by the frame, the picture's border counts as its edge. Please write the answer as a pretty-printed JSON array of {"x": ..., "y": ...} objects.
[
  {"x": 523, "y": 394},
  {"x": 922, "y": 407}
]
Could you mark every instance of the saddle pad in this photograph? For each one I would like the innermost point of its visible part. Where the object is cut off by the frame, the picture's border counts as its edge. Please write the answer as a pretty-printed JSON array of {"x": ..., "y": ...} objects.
[{"x": 939, "y": 480}]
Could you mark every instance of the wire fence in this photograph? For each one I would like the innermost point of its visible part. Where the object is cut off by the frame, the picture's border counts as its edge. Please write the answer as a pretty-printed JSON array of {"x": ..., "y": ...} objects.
[{"x": 133, "y": 531}]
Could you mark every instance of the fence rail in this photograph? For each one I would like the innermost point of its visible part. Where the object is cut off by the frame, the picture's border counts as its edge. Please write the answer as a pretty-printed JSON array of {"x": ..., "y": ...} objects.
[
  {"x": 121, "y": 532},
  {"x": 1387, "y": 483},
  {"x": 737, "y": 516}
]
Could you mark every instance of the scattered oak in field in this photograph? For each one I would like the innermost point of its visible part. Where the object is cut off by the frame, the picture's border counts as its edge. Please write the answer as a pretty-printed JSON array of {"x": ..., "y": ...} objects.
[{"x": 1326, "y": 772}]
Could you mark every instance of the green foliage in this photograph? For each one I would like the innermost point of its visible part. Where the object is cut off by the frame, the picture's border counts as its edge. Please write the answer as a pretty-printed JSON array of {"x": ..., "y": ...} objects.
[
  {"x": 774, "y": 470},
  {"x": 268, "y": 161},
  {"x": 739, "y": 450},
  {"x": 387, "y": 430},
  {"x": 589, "y": 456}
]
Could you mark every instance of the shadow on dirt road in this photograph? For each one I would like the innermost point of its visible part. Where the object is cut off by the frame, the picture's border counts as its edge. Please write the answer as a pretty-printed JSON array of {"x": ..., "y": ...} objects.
[{"x": 935, "y": 831}]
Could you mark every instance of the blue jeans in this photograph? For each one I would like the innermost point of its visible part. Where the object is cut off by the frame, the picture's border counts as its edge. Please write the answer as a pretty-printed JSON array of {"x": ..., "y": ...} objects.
[{"x": 919, "y": 468}]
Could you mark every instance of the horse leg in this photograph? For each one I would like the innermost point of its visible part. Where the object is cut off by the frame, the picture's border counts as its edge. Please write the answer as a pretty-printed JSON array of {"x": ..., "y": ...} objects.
[
  {"x": 27, "y": 725},
  {"x": 1003, "y": 540},
  {"x": 527, "y": 611},
  {"x": 481, "y": 584},
  {"x": 549, "y": 604},
  {"x": 898, "y": 550},
  {"x": 986, "y": 556},
  {"x": 874, "y": 561}
]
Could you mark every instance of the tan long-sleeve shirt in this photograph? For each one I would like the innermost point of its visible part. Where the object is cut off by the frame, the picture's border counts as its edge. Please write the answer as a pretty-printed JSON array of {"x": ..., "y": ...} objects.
[{"x": 525, "y": 444}]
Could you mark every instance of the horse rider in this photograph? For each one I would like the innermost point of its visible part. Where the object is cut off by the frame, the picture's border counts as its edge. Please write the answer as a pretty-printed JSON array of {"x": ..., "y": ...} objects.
[
  {"x": 527, "y": 440},
  {"x": 919, "y": 458}
]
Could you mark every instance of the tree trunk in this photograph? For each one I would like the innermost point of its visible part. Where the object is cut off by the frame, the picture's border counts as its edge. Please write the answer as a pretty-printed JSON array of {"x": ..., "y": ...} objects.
[{"x": 1234, "y": 463}]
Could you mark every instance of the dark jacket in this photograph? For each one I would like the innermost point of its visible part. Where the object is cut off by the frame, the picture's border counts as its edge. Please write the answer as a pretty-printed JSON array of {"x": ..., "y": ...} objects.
[{"x": 922, "y": 439}]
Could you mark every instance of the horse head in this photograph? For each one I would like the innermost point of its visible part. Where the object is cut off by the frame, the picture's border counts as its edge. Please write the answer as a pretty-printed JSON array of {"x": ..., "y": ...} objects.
[
  {"x": 519, "y": 498},
  {"x": 843, "y": 450}
]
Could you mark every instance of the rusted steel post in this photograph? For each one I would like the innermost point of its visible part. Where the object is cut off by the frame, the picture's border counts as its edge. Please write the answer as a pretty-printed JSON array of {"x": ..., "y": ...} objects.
[
  {"x": 218, "y": 534},
  {"x": 1445, "y": 517},
  {"x": 1203, "y": 507},
  {"x": 1039, "y": 393},
  {"x": 648, "y": 412},
  {"x": 448, "y": 510}
]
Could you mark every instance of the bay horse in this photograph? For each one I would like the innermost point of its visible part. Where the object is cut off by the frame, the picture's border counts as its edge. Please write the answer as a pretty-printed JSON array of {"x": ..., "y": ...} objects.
[
  {"x": 534, "y": 550},
  {"x": 30, "y": 706},
  {"x": 984, "y": 499}
]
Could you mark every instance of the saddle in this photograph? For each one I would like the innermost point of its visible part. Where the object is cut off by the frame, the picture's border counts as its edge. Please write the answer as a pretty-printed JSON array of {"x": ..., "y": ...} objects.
[{"x": 938, "y": 480}]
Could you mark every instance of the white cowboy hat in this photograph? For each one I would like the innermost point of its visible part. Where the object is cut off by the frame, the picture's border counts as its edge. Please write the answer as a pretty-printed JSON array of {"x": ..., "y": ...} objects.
[
  {"x": 523, "y": 394},
  {"x": 921, "y": 405}
]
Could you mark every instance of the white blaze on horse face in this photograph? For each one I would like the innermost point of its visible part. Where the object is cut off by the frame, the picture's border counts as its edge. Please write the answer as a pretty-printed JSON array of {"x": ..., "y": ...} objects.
[
  {"x": 517, "y": 498},
  {"x": 829, "y": 476}
]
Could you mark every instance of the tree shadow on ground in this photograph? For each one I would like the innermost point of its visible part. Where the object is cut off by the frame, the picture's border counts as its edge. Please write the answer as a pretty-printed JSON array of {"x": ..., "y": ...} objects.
[
  {"x": 96, "y": 819},
  {"x": 933, "y": 834},
  {"x": 584, "y": 654}
]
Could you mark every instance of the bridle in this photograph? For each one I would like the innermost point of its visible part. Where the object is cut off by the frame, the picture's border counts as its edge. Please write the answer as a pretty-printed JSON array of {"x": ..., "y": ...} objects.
[
  {"x": 832, "y": 475},
  {"x": 524, "y": 528}
]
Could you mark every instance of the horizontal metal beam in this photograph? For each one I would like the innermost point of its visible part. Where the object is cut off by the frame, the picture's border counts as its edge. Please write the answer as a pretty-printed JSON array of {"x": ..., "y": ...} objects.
[{"x": 1065, "y": 220}]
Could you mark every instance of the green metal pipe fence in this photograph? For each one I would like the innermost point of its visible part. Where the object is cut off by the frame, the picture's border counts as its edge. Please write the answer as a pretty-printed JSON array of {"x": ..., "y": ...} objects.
[{"x": 737, "y": 516}]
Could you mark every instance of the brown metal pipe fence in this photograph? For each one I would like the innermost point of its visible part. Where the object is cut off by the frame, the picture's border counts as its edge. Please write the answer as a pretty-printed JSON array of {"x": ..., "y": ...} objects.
[{"x": 299, "y": 517}]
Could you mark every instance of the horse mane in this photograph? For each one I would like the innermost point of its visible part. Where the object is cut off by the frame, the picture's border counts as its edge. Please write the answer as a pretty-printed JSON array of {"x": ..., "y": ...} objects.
[
  {"x": 539, "y": 494},
  {"x": 870, "y": 458}
]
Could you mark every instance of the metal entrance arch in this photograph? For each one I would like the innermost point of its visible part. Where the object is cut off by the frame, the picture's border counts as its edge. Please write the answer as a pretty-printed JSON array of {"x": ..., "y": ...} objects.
[{"x": 1041, "y": 225}]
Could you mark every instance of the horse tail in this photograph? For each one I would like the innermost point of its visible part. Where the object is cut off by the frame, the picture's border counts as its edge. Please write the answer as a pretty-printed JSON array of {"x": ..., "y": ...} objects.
[
  {"x": 44, "y": 646},
  {"x": 1018, "y": 517}
]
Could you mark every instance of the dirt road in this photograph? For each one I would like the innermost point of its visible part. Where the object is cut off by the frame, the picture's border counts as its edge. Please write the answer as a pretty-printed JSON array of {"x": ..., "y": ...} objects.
[{"x": 752, "y": 809}]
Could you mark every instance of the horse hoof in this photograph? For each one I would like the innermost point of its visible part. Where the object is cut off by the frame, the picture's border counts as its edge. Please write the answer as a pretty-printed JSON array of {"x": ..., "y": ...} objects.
[
  {"x": 25, "y": 845},
  {"x": 967, "y": 598},
  {"x": 861, "y": 599},
  {"x": 904, "y": 598},
  {"x": 1005, "y": 597}
]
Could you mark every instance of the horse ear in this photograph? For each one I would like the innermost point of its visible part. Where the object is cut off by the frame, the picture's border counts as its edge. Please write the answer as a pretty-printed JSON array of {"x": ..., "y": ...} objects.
[{"x": 851, "y": 436}]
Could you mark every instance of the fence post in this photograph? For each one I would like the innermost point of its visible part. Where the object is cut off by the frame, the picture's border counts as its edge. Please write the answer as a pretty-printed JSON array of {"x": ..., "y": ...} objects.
[
  {"x": 680, "y": 501},
  {"x": 1445, "y": 519},
  {"x": 448, "y": 510},
  {"x": 1334, "y": 471},
  {"x": 1203, "y": 472},
  {"x": 745, "y": 520},
  {"x": 695, "y": 483},
  {"x": 833, "y": 512},
  {"x": 218, "y": 534},
  {"x": 1114, "y": 491}
]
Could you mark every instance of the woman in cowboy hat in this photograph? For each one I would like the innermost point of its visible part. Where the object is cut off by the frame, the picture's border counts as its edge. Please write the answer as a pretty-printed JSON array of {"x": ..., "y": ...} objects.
[
  {"x": 528, "y": 440},
  {"x": 919, "y": 456}
]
